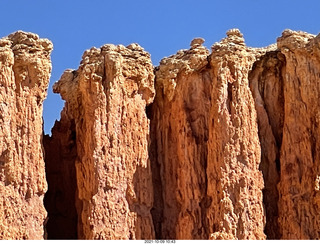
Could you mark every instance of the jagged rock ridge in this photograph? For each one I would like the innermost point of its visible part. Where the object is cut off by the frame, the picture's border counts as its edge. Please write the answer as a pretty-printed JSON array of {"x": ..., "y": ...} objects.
[{"x": 220, "y": 145}]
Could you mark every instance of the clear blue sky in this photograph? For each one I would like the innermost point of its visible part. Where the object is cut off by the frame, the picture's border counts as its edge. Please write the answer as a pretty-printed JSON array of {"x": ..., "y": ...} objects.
[{"x": 162, "y": 27}]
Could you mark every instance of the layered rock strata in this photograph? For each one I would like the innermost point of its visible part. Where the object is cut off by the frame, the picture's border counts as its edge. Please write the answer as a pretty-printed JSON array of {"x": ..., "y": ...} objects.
[
  {"x": 25, "y": 69},
  {"x": 106, "y": 99}
]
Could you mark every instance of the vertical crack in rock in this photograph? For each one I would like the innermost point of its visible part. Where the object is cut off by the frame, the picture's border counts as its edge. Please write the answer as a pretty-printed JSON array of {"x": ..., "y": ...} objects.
[
  {"x": 157, "y": 209},
  {"x": 107, "y": 98},
  {"x": 61, "y": 198},
  {"x": 25, "y": 68},
  {"x": 266, "y": 83}
]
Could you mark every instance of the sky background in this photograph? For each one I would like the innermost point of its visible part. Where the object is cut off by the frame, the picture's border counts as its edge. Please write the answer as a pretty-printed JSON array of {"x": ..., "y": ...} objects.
[{"x": 161, "y": 27}]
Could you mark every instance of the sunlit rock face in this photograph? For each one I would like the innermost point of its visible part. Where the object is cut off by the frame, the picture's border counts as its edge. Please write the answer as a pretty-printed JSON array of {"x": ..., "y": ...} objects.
[
  {"x": 105, "y": 110},
  {"x": 25, "y": 69},
  {"x": 219, "y": 144}
]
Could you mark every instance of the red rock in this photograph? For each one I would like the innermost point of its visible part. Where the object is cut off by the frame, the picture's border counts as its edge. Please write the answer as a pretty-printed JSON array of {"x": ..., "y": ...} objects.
[
  {"x": 25, "y": 69},
  {"x": 225, "y": 146},
  {"x": 106, "y": 98},
  {"x": 207, "y": 145}
]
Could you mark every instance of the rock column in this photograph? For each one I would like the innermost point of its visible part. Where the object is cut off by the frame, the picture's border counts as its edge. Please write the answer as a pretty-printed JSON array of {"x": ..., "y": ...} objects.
[
  {"x": 107, "y": 98},
  {"x": 25, "y": 69}
]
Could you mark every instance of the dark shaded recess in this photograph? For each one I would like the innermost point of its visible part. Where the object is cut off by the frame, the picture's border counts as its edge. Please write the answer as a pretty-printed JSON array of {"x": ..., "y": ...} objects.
[
  {"x": 157, "y": 209},
  {"x": 196, "y": 105},
  {"x": 60, "y": 199},
  {"x": 270, "y": 73}
]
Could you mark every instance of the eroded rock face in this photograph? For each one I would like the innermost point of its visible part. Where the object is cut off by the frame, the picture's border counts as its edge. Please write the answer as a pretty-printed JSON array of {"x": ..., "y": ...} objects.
[
  {"x": 231, "y": 150},
  {"x": 206, "y": 144},
  {"x": 299, "y": 195},
  {"x": 266, "y": 83},
  {"x": 61, "y": 198},
  {"x": 179, "y": 144},
  {"x": 25, "y": 69},
  {"x": 235, "y": 182},
  {"x": 232, "y": 144},
  {"x": 107, "y": 98},
  {"x": 285, "y": 86}
]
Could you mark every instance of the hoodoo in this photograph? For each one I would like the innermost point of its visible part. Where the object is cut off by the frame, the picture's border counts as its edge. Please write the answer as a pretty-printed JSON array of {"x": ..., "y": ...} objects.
[
  {"x": 25, "y": 68},
  {"x": 219, "y": 144}
]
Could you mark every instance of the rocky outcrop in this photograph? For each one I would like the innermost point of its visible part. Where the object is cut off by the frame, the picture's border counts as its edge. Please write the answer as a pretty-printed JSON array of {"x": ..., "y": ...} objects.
[
  {"x": 220, "y": 145},
  {"x": 232, "y": 144},
  {"x": 235, "y": 182},
  {"x": 285, "y": 86},
  {"x": 299, "y": 164},
  {"x": 25, "y": 69},
  {"x": 299, "y": 156},
  {"x": 105, "y": 124},
  {"x": 179, "y": 143},
  {"x": 206, "y": 143}
]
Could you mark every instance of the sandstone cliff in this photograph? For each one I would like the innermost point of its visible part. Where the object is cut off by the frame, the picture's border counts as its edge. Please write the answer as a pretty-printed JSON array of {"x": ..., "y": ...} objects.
[
  {"x": 235, "y": 163},
  {"x": 285, "y": 84},
  {"x": 104, "y": 134},
  {"x": 25, "y": 68},
  {"x": 208, "y": 145}
]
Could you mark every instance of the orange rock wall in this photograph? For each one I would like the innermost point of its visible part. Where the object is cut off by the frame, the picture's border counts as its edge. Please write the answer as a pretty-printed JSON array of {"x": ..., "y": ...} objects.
[
  {"x": 106, "y": 98},
  {"x": 285, "y": 86},
  {"x": 25, "y": 69},
  {"x": 208, "y": 145},
  {"x": 299, "y": 197}
]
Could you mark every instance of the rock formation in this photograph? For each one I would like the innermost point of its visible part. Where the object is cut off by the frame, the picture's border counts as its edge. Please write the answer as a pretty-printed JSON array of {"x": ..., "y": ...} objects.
[
  {"x": 208, "y": 145},
  {"x": 61, "y": 198},
  {"x": 213, "y": 138},
  {"x": 285, "y": 84},
  {"x": 25, "y": 69},
  {"x": 105, "y": 128}
]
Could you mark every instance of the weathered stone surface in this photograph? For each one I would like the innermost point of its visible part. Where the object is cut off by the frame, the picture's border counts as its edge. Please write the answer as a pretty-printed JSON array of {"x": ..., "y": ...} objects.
[
  {"x": 266, "y": 83},
  {"x": 206, "y": 144},
  {"x": 61, "y": 198},
  {"x": 286, "y": 91},
  {"x": 25, "y": 69},
  {"x": 299, "y": 197},
  {"x": 233, "y": 150},
  {"x": 179, "y": 144},
  {"x": 106, "y": 98},
  {"x": 235, "y": 182}
]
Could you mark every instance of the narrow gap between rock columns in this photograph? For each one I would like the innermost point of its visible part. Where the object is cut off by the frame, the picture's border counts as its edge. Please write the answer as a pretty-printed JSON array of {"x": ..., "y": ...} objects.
[
  {"x": 60, "y": 199},
  {"x": 266, "y": 81},
  {"x": 157, "y": 209}
]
